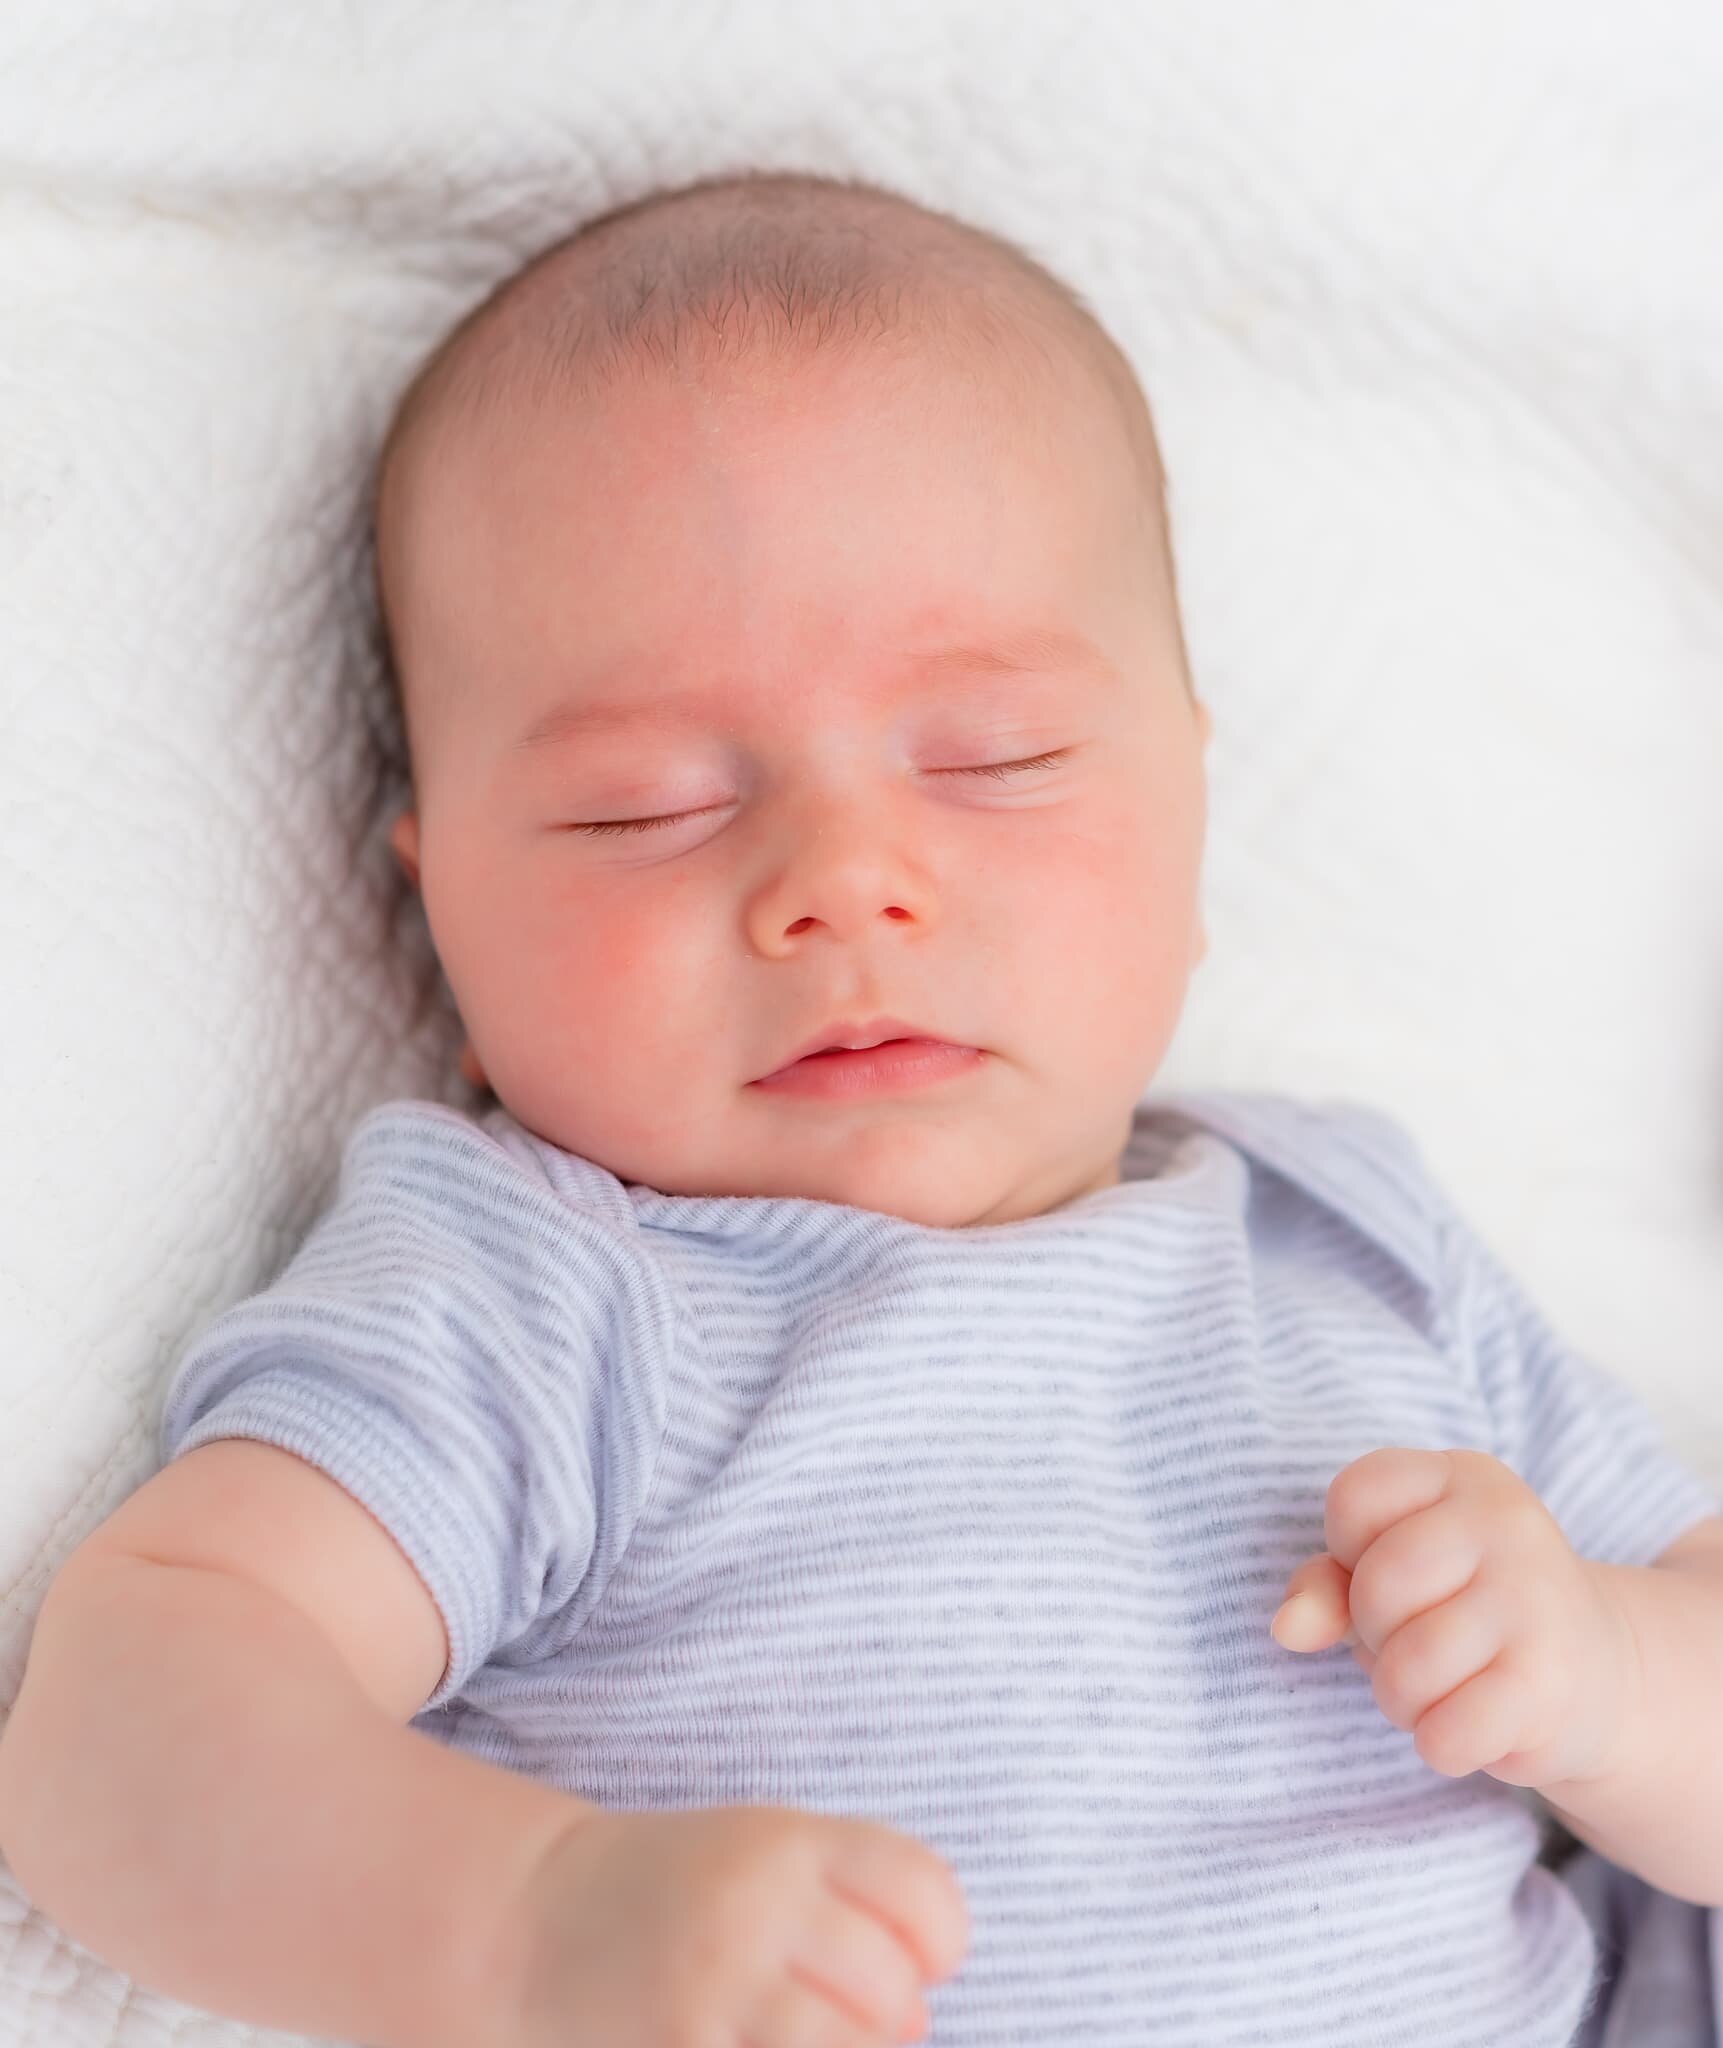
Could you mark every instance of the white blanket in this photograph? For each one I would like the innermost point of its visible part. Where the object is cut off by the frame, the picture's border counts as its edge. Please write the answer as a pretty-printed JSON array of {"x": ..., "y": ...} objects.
[{"x": 1430, "y": 304}]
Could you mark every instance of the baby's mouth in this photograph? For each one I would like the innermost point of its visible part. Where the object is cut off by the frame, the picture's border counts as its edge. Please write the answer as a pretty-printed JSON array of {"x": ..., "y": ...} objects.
[{"x": 893, "y": 1064}]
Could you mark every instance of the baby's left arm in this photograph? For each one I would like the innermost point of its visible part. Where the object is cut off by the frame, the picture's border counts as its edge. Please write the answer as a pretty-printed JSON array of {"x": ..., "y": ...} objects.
[{"x": 1485, "y": 1634}]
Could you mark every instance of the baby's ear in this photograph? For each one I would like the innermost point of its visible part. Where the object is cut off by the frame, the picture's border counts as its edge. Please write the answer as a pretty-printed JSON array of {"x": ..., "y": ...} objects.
[{"x": 404, "y": 838}]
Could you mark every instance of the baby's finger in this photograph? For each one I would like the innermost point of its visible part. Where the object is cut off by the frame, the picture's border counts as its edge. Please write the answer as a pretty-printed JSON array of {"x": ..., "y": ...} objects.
[{"x": 1314, "y": 1615}]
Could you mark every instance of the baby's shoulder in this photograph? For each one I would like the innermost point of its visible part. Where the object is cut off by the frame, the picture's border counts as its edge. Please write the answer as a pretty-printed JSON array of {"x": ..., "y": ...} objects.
[
  {"x": 410, "y": 1144},
  {"x": 467, "y": 1208},
  {"x": 1354, "y": 1160}
]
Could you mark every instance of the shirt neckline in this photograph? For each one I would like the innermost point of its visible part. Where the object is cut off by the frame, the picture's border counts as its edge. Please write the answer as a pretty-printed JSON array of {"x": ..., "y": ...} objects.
[{"x": 1192, "y": 1170}]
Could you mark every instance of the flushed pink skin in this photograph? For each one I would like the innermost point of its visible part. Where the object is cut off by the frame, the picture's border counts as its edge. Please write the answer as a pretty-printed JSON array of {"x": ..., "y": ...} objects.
[{"x": 759, "y": 550}]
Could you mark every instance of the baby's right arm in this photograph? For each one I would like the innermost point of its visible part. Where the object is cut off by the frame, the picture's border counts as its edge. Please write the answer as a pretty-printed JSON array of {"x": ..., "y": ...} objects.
[
  {"x": 206, "y": 1780},
  {"x": 215, "y": 1792}
]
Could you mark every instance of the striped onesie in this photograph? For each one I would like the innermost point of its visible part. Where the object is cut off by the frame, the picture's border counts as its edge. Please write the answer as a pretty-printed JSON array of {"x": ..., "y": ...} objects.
[{"x": 975, "y": 1532}]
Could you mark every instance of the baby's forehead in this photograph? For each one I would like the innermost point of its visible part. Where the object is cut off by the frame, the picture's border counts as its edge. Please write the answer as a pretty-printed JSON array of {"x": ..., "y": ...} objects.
[
  {"x": 774, "y": 272},
  {"x": 1049, "y": 431},
  {"x": 509, "y": 402}
]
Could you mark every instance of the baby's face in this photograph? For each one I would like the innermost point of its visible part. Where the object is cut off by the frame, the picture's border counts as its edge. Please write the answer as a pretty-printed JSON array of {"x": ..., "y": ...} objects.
[{"x": 793, "y": 611}]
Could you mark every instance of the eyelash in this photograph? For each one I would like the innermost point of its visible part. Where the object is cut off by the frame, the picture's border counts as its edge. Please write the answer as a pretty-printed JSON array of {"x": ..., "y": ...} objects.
[{"x": 998, "y": 769}]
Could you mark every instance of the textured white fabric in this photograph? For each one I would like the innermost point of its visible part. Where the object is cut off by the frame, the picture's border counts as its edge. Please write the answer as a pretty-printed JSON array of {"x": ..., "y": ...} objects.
[{"x": 1429, "y": 306}]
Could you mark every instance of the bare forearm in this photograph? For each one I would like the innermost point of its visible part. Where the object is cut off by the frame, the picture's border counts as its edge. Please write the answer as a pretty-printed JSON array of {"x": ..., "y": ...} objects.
[
  {"x": 193, "y": 1785},
  {"x": 1659, "y": 1812}
]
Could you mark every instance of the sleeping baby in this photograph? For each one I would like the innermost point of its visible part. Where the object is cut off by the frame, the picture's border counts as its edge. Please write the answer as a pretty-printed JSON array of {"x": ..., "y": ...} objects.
[{"x": 819, "y": 1512}]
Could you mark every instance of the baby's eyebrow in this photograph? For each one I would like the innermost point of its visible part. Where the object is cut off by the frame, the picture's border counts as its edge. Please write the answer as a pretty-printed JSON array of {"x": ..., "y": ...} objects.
[{"x": 1035, "y": 650}]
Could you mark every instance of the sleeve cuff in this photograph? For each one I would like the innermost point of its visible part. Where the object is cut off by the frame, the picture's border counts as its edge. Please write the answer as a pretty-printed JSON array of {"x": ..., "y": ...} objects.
[{"x": 360, "y": 1445}]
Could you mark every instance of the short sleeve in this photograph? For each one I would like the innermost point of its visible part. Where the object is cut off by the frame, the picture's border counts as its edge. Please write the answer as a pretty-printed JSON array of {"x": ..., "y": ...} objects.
[
  {"x": 448, "y": 1344},
  {"x": 1586, "y": 1445}
]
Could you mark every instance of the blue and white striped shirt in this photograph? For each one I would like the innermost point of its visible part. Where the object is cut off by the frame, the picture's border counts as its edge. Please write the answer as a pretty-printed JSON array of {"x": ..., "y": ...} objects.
[{"x": 976, "y": 1532}]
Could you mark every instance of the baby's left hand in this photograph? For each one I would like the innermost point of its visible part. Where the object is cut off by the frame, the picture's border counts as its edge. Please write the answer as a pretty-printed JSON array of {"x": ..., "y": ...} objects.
[{"x": 1483, "y": 1632}]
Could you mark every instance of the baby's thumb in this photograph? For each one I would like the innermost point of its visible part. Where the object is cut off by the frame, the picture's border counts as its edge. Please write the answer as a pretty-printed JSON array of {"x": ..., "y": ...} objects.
[{"x": 1314, "y": 1615}]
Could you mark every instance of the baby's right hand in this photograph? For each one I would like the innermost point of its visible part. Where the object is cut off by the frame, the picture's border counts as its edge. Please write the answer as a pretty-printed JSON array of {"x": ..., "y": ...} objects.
[{"x": 731, "y": 1927}]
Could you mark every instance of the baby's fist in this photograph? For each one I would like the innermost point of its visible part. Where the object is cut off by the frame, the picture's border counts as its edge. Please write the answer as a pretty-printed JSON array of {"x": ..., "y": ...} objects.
[
  {"x": 762, "y": 1924},
  {"x": 1483, "y": 1632}
]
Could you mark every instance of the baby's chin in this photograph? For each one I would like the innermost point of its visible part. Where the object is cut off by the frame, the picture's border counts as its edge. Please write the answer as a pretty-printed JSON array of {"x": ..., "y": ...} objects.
[{"x": 918, "y": 1183}]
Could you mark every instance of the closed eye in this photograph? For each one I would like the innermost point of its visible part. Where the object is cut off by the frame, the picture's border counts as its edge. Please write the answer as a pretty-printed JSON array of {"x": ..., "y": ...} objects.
[
  {"x": 1009, "y": 767},
  {"x": 637, "y": 824},
  {"x": 997, "y": 769}
]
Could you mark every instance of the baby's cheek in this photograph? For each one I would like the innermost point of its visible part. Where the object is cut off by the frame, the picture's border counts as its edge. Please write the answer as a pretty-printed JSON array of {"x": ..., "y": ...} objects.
[
  {"x": 1126, "y": 907},
  {"x": 1115, "y": 877},
  {"x": 648, "y": 986}
]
